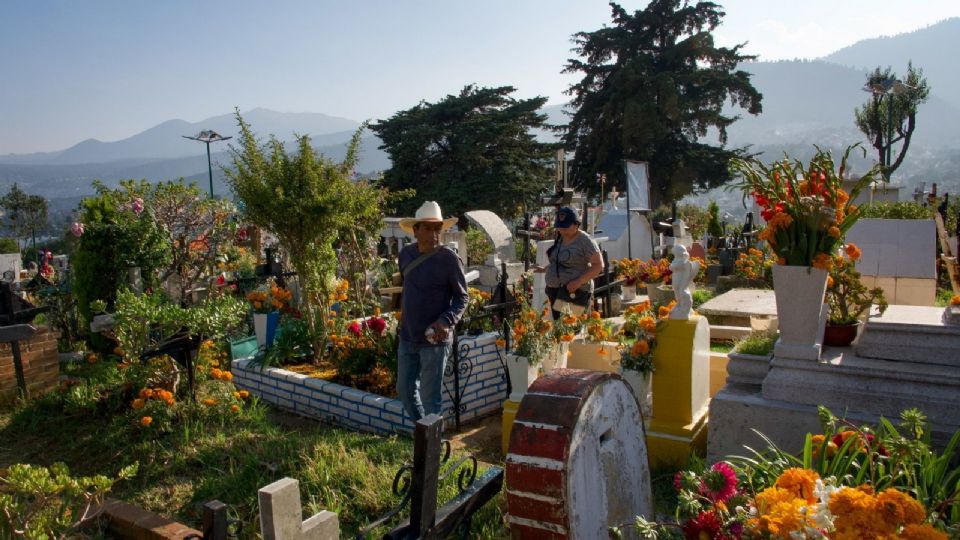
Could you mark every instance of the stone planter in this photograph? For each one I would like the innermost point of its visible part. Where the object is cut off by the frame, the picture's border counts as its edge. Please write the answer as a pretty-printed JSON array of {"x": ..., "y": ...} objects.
[
  {"x": 660, "y": 294},
  {"x": 265, "y": 326},
  {"x": 522, "y": 375},
  {"x": 628, "y": 293},
  {"x": 747, "y": 370},
  {"x": 642, "y": 386},
  {"x": 594, "y": 356},
  {"x": 556, "y": 357},
  {"x": 800, "y": 309}
]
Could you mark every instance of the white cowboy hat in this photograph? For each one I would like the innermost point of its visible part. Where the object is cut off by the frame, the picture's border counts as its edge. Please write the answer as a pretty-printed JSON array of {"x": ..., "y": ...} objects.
[{"x": 429, "y": 212}]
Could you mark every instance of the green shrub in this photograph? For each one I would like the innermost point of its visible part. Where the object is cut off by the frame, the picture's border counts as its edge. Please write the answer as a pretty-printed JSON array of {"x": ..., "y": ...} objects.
[
  {"x": 9, "y": 245},
  {"x": 702, "y": 296},
  {"x": 41, "y": 502},
  {"x": 758, "y": 343},
  {"x": 478, "y": 246}
]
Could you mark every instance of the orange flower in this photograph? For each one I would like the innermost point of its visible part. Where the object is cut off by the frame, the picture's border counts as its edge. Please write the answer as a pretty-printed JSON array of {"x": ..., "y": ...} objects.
[
  {"x": 852, "y": 251},
  {"x": 566, "y": 337},
  {"x": 209, "y": 402},
  {"x": 137, "y": 403},
  {"x": 216, "y": 373},
  {"x": 146, "y": 421},
  {"x": 823, "y": 261},
  {"x": 235, "y": 408},
  {"x": 244, "y": 394},
  {"x": 226, "y": 376},
  {"x": 781, "y": 261},
  {"x": 640, "y": 347},
  {"x": 91, "y": 358},
  {"x": 829, "y": 281},
  {"x": 118, "y": 351},
  {"x": 834, "y": 231},
  {"x": 799, "y": 482},
  {"x": 955, "y": 301},
  {"x": 145, "y": 393},
  {"x": 595, "y": 315}
]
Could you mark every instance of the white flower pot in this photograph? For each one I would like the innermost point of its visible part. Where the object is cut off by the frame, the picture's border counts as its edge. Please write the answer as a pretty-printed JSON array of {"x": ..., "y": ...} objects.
[
  {"x": 628, "y": 293},
  {"x": 264, "y": 326},
  {"x": 802, "y": 315},
  {"x": 556, "y": 357},
  {"x": 642, "y": 386},
  {"x": 522, "y": 375}
]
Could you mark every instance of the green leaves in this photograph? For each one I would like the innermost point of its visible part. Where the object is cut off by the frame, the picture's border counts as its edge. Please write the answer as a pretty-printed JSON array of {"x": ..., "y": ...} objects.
[{"x": 469, "y": 151}]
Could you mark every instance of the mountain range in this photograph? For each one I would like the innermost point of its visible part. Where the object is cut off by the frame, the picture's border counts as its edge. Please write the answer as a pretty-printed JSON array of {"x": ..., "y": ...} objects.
[{"x": 805, "y": 102}]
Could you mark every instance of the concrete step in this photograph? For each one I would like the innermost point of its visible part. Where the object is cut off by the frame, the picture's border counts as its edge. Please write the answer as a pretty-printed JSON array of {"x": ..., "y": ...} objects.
[
  {"x": 914, "y": 334},
  {"x": 728, "y": 333}
]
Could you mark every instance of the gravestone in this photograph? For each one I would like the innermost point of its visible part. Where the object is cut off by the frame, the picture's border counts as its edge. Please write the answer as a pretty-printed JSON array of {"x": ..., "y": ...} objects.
[
  {"x": 619, "y": 244},
  {"x": 281, "y": 515},
  {"x": 577, "y": 461},
  {"x": 899, "y": 256},
  {"x": 495, "y": 230}
]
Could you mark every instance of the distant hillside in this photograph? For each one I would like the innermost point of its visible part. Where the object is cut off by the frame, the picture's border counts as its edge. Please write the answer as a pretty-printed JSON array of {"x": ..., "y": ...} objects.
[
  {"x": 931, "y": 48},
  {"x": 166, "y": 140}
]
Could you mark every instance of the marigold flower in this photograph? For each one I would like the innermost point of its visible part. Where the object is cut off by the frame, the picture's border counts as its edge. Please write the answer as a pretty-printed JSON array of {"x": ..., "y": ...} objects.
[
  {"x": 823, "y": 261},
  {"x": 209, "y": 402},
  {"x": 922, "y": 532},
  {"x": 595, "y": 315},
  {"x": 226, "y": 376},
  {"x": 799, "y": 482},
  {"x": 834, "y": 231},
  {"x": 955, "y": 301},
  {"x": 146, "y": 421},
  {"x": 235, "y": 408},
  {"x": 641, "y": 347},
  {"x": 91, "y": 358},
  {"x": 137, "y": 403},
  {"x": 244, "y": 394},
  {"x": 567, "y": 338},
  {"x": 852, "y": 251},
  {"x": 216, "y": 373}
]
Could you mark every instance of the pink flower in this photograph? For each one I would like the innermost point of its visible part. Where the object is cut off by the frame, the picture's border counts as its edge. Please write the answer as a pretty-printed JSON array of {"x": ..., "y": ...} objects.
[
  {"x": 137, "y": 205},
  {"x": 719, "y": 483},
  {"x": 354, "y": 328},
  {"x": 77, "y": 229},
  {"x": 221, "y": 281}
]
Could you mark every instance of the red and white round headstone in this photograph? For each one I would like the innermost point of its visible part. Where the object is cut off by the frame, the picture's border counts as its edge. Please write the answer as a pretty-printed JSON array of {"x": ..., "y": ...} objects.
[{"x": 577, "y": 462}]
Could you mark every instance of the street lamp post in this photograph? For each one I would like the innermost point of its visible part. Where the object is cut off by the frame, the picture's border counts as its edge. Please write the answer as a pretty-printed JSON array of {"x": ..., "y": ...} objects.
[{"x": 207, "y": 137}]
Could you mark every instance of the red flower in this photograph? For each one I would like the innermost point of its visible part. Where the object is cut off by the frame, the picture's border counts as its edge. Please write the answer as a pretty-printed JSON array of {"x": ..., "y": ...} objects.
[
  {"x": 376, "y": 324},
  {"x": 221, "y": 281},
  {"x": 719, "y": 483},
  {"x": 354, "y": 328},
  {"x": 706, "y": 525},
  {"x": 761, "y": 200}
]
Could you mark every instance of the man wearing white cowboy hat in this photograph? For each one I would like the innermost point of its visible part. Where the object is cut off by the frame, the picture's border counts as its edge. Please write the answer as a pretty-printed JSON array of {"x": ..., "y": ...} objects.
[{"x": 434, "y": 299}]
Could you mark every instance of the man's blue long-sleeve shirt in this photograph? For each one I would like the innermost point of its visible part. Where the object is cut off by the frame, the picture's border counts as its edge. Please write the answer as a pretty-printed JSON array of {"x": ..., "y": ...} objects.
[{"x": 435, "y": 290}]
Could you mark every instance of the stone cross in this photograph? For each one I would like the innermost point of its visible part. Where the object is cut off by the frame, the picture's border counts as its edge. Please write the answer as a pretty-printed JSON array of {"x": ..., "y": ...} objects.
[{"x": 281, "y": 514}]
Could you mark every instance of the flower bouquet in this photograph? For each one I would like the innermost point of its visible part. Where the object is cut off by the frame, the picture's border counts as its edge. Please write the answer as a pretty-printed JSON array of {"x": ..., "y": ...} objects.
[
  {"x": 532, "y": 341},
  {"x": 269, "y": 297},
  {"x": 637, "y": 338},
  {"x": 805, "y": 206}
]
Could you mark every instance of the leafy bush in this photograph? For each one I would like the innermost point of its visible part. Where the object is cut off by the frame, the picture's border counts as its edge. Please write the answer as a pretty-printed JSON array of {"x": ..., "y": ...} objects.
[
  {"x": 757, "y": 343},
  {"x": 478, "y": 246},
  {"x": 41, "y": 502},
  {"x": 292, "y": 343},
  {"x": 702, "y": 296},
  {"x": 9, "y": 245}
]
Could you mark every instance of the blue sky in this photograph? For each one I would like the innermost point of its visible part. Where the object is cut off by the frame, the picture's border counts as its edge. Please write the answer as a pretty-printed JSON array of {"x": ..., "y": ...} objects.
[{"x": 109, "y": 69}]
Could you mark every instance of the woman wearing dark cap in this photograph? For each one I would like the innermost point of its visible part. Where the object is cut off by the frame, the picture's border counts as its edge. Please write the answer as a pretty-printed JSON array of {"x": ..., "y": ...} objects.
[{"x": 574, "y": 261}]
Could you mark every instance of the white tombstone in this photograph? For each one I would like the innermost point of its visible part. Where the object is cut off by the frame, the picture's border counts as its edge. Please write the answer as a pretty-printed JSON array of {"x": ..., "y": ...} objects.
[
  {"x": 495, "y": 230},
  {"x": 10, "y": 262},
  {"x": 281, "y": 515},
  {"x": 638, "y": 243}
]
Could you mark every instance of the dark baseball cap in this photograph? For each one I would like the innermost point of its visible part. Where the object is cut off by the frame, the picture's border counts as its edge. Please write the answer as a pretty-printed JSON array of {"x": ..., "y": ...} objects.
[{"x": 566, "y": 217}]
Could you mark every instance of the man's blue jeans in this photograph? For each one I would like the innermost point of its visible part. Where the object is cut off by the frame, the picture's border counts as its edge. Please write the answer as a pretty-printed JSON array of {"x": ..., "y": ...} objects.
[{"x": 420, "y": 377}]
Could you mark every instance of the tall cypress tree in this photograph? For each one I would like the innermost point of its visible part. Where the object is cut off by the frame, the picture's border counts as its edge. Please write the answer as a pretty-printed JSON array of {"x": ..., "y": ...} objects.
[
  {"x": 469, "y": 151},
  {"x": 653, "y": 84}
]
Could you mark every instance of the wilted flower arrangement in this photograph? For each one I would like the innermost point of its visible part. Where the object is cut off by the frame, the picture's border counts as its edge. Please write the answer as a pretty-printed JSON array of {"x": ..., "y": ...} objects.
[{"x": 805, "y": 206}]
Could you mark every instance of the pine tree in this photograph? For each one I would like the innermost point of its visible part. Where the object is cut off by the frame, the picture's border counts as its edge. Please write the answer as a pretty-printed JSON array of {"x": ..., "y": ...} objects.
[
  {"x": 653, "y": 84},
  {"x": 469, "y": 151}
]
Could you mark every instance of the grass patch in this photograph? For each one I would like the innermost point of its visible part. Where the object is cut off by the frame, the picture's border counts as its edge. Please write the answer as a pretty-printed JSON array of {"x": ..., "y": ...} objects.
[
  {"x": 759, "y": 343},
  {"x": 196, "y": 461},
  {"x": 721, "y": 347}
]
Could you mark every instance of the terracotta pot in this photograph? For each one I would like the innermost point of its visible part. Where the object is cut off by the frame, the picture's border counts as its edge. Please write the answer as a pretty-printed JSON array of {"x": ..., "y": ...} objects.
[{"x": 840, "y": 335}]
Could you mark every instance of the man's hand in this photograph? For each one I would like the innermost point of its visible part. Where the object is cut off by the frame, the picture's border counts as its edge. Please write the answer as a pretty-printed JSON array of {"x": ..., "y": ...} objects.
[
  {"x": 573, "y": 286},
  {"x": 538, "y": 269},
  {"x": 441, "y": 329}
]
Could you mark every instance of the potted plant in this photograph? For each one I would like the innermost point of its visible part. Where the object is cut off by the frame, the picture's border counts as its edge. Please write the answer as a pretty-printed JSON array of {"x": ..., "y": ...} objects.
[
  {"x": 531, "y": 341},
  {"x": 565, "y": 330},
  {"x": 628, "y": 270},
  {"x": 655, "y": 274},
  {"x": 807, "y": 212},
  {"x": 749, "y": 361},
  {"x": 849, "y": 299},
  {"x": 266, "y": 301},
  {"x": 637, "y": 338}
]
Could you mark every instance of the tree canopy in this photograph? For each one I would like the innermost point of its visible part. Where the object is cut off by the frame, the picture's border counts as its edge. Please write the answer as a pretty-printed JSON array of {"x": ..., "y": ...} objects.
[
  {"x": 653, "y": 84},
  {"x": 890, "y": 115},
  {"x": 24, "y": 214},
  {"x": 469, "y": 151}
]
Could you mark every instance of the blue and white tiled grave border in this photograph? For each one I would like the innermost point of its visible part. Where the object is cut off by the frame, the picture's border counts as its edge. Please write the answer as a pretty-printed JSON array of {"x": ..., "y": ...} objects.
[{"x": 483, "y": 387}]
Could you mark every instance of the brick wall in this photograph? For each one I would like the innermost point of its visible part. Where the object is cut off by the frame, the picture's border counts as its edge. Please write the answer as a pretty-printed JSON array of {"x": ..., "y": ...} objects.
[
  {"x": 41, "y": 365},
  {"x": 483, "y": 392}
]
